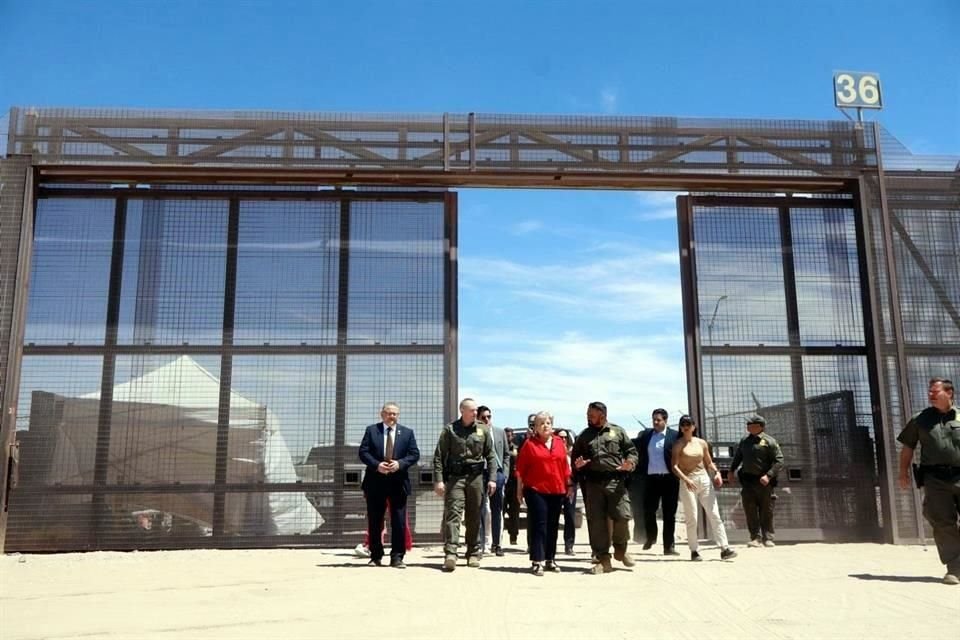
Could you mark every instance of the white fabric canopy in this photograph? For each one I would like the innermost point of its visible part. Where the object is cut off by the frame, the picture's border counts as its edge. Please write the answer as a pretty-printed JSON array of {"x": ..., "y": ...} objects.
[{"x": 183, "y": 383}]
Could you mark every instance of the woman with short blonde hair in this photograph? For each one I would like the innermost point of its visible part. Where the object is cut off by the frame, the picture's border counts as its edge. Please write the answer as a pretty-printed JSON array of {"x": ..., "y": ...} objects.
[{"x": 544, "y": 479}]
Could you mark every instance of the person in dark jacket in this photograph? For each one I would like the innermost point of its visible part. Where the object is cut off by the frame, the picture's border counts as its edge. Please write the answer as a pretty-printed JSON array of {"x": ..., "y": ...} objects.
[
  {"x": 388, "y": 449},
  {"x": 661, "y": 488}
]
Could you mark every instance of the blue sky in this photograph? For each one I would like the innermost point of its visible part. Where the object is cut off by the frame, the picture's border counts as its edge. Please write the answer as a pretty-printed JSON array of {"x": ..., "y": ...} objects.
[{"x": 566, "y": 297}]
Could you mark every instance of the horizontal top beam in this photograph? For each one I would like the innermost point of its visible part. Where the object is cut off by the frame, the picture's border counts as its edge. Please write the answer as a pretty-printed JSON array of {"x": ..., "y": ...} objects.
[{"x": 571, "y": 147}]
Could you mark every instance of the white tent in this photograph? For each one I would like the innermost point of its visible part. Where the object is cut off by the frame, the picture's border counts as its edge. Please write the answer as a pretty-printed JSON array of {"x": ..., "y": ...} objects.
[{"x": 194, "y": 392}]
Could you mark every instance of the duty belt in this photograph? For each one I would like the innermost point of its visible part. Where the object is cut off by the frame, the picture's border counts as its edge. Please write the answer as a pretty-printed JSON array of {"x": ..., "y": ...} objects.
[
  {"x": 944, "y": 472},
  {"x": 604, "y": 476},
  {"x": 463, "y": 469}
]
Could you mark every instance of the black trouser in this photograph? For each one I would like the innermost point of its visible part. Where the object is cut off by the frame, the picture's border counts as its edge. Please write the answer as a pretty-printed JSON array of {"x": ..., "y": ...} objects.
[
  {"x": 661, "y": 490},
  {"x": 511, "y": 507},
  {"x": 376, "y": 508},
  {"x": 570, "y": 519},
  {"x": 757, "y": 506},
  {"x": 543, "y": 523}
]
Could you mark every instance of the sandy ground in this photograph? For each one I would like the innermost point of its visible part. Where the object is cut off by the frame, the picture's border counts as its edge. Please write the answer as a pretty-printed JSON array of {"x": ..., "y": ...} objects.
[{"x": 792, "y": 591}]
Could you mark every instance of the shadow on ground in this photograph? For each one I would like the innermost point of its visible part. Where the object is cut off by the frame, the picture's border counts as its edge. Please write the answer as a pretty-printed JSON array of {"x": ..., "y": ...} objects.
[{"x": 872, "y": 576}]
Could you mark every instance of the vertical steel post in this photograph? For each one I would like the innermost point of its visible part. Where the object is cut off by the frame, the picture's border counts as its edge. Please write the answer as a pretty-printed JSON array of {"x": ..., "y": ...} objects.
[
  {"x": 222, "y": 461},
  {"x": 101, "y": 466}
]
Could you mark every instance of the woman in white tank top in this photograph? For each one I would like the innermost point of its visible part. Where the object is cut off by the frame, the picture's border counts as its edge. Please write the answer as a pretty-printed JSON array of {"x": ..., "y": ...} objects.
[{"x": 699, "y": 477}]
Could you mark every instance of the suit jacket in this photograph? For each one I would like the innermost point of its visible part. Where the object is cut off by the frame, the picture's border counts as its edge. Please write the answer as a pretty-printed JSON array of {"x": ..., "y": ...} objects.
[
  {"x": 405, "y": 452},
  {"x": 502, "y": 449},
  {"x": 644, "y": 441}
]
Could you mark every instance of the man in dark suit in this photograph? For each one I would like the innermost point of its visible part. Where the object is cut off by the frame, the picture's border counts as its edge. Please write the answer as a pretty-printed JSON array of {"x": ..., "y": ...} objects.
[
  {"x": 389, "y": 450},
  {"x": 660, "y": 486}
]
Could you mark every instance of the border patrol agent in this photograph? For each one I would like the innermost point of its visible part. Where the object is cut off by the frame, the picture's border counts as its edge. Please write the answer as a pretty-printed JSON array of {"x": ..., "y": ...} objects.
[
  {"x": 761, "y": 460},
  {"x": 463, "y": 450},
  {"x": 603, "y": 457},
  {"x": 937, "y": 430}
]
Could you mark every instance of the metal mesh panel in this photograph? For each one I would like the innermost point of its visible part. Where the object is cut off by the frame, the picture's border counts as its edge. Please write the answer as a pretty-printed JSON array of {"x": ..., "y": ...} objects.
[
  {"x": 294, "y": 398},
  {"x": 173, "y": 276},
  {"x": 13, "y": 175},
  {"x": 740, "y": 275},
  {"x": 927, "y": 245},
  {"x": 73, "y": 242},
  {"x": 915, "y": 223},
  {"x": 748, "y": 272},
  {"x": 396, "y": 273},
  {"x": 778, "y": 292},
  {"x": 190, "y": 377},
  {"x": 53, "y": 457},
  {"x": 448, "y": 142},
  {"x": 416, "y": 384},
  {"x": 287, "y": 273},
  {"x": 827, "y": 277}
]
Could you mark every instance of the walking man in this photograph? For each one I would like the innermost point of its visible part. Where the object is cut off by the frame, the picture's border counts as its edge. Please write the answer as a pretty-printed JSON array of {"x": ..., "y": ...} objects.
[
  {"x": 388, "y": 449},
  {"x": 464, "y": 448},
  {"x": 603, "y": 457},
  {"x": 660, "y": 486},
  {"x": 761, "y": 460},
  {"x": 493, "y": 505},
  {"x": 937, "y": 430}
]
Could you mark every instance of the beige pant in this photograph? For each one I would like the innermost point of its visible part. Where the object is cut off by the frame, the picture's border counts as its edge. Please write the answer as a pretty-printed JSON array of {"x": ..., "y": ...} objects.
[{"x": 707, "y": 497}]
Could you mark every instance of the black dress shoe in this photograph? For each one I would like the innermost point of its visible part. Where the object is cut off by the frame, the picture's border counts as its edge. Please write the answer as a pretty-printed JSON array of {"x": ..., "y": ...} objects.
[
  {"x": 375, "y": 563},
  {"x": 498, "y": 551},
  {"x": 397, "y": 563},
  {"x": 647, "y": 545},
  {"x": 670, "y": 551}
]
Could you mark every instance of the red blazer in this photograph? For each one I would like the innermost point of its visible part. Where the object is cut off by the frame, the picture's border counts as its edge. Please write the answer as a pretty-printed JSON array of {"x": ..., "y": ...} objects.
[{"x": 544, "y": 470}]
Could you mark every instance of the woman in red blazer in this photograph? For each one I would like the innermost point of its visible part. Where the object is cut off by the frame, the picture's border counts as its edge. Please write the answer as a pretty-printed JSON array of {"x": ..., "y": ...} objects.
[{"x": 543, "y": 481}]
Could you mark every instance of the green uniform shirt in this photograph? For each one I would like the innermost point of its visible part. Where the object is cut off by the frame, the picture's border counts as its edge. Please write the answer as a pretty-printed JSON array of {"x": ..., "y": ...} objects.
[
  {"x": 759, "y": 454},
  {"x": 938, "y": 435},
  {"x": 461, "y": 445},
  {"x": 606, "y": 448}
]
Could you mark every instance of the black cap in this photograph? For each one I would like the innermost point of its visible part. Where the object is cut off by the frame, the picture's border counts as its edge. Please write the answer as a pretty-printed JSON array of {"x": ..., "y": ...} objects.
[{"x": 755, "y": 419}]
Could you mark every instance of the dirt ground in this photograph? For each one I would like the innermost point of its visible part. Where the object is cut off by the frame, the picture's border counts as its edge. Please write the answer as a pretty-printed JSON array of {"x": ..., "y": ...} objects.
[{"x": 791, "y": 591}]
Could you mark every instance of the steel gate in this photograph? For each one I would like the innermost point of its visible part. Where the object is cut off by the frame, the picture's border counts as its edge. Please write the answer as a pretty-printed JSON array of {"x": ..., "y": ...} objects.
[
  {"x": 775, "y": 323},
  {"x": 199, "y": 363}
]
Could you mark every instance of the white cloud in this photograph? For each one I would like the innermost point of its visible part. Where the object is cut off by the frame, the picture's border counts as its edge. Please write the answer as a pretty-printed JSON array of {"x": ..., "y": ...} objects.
[
  {"x": 656, "y": 205},
  {"x": 526, "y": 226},
  {"x": 626, "y": 287},
  {"x": 608, "y": 100},
  {"x": 517, "y": 375}
]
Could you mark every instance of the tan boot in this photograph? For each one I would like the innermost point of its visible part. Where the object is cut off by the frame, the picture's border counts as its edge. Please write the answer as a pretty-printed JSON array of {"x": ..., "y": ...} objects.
[
  {"x": 624, "y": 557},
  {"x": 603, "y": 566},
  {"x": 450, "y": 563}
]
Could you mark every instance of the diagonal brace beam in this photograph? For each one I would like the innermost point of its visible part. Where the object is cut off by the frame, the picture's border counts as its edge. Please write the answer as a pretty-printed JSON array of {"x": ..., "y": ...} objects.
[
  {"x": 119, "y": 145},
  {"x": 928, "y": 273}
]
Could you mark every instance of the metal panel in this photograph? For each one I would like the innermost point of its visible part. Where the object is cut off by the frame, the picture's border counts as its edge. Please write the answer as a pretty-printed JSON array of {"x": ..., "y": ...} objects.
[
  {"x": 443, "y": 144},
  {"x": 907, "y": 327},
  {"x": 164, "y": 432},
  {"x": 778, "y": 300},
  {"x": 17, "y": 192}
]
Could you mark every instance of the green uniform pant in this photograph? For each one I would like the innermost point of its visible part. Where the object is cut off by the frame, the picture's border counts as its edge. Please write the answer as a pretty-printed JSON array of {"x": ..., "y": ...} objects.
[
  {"x": 941, "y": 508},
  {"x": 462, "y": 492},
  {"x": 603, "y": 500},
  {"x": 757, "y": 507}
]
